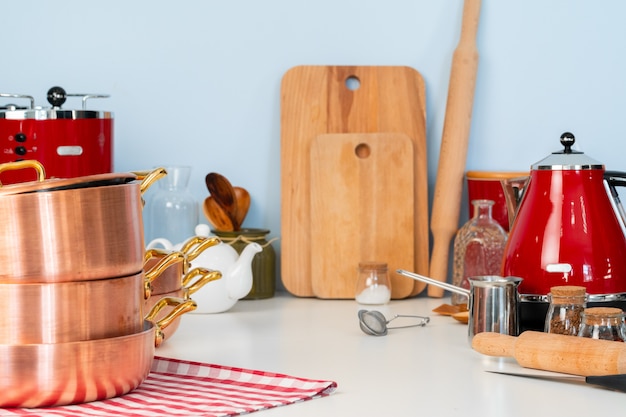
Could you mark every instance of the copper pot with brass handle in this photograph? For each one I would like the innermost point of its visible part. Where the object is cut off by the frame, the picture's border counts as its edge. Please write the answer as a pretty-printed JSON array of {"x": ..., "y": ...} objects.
[
  {"x": 75, "y": 229},
  {"x": 53, "y": 374}
]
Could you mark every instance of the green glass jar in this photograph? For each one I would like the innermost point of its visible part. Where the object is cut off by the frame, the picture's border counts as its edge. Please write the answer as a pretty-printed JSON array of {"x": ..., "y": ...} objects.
[{"x": 263, "y": 263}]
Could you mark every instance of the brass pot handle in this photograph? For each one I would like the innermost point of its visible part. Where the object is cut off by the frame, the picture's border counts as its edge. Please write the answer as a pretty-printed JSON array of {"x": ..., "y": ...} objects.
[
  {"x": 181, "y": 306},
  {"x": 203, "y": 275},
  {"x": 154, "y": 253},
  {"x": 157, "y": 270},
  {"x": 29, "y": 163},
  {"x": 148, "y": 178},
  {"x": 198, "y": 244}
]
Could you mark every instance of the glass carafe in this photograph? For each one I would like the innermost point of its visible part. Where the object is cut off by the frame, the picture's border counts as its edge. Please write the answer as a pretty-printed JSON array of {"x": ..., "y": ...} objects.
[
  {"x": 478, "y": 248},
  {"x": 172, "y": 213}
]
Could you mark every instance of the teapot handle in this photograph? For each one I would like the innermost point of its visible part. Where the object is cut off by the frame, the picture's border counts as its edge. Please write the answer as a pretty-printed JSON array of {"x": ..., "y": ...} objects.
[{"x": 613, "y": 179}]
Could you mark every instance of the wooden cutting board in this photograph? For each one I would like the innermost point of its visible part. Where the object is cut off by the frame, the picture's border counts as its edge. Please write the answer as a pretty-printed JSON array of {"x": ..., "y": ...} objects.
[
  {"x": 317, "y": 100},
  {"x": 361, "y": 210}
]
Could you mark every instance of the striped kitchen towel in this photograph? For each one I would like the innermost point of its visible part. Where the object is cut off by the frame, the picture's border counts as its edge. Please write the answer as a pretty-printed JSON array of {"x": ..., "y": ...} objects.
[{"x": 182, "y": 388}]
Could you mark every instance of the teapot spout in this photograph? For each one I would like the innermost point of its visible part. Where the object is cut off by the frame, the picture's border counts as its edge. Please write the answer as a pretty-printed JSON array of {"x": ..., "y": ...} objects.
[
  {"x": 240, "y": 273},
  {"x": 514, "y": 189}
]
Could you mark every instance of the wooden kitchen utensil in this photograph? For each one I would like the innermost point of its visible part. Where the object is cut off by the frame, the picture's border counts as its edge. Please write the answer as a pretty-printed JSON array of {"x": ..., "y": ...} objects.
[
  {"x": 243, "y": 204},
  {"x": 317, "y": 100},
  {"x": 555, "y": 352},
  {"x": 361, "y": 209},
  {"x": 453, "y": 152},
  {"x": 216, "y": 215},
  {"x": 224, "y": 195}
]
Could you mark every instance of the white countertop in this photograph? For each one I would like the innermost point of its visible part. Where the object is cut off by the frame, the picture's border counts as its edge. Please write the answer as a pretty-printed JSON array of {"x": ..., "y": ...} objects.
[{"x": 428, "y": 371}]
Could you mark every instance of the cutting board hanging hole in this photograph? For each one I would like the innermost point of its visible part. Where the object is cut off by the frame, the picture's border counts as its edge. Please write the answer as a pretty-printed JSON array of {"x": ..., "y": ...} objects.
[
  {"x": 353, "y": 83},
  {"x": 362, "y": 150}
]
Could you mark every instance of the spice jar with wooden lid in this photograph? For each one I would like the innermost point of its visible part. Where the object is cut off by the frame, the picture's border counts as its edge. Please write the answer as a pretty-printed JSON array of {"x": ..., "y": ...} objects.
[
  {"x": 605, "y": 323},
  {"x": 567, "y": 303}
]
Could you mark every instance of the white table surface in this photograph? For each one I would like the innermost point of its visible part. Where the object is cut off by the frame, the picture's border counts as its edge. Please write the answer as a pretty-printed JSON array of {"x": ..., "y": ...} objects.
[{"x": 427, "y": 371}]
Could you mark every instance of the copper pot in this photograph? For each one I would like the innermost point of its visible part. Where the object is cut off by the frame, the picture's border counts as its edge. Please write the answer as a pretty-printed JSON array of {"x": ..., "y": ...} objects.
[
  {"x": 167, "y": 269},
  {"x": 71, "y": 311},
  {"x": 192, "y": 282},
  {"x": 41, "y": 375},
  {"x": 76, "y": 229}
]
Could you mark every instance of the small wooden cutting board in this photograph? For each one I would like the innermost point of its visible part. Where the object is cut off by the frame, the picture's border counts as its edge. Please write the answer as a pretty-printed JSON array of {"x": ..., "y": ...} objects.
[{"x": 361, "y": 210}]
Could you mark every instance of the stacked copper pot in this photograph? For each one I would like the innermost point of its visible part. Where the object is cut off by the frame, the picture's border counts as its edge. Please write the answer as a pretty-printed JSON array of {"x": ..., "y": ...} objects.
[{"x": 73, "y": 290}]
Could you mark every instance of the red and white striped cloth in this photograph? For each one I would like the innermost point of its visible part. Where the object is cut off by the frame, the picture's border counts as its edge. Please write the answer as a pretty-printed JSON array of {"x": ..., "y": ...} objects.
[{"x": 182, "y": 388}]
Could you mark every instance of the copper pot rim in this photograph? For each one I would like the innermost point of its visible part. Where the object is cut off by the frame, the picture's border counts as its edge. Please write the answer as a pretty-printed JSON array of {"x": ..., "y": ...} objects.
[
  {"x": 88, "y": 181},
  {"x": 59, "y": 184},
  {"x": 42, "y": 283}
]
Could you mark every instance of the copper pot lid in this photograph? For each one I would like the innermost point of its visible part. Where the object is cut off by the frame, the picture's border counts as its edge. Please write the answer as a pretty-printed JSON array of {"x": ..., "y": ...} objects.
[{"x": 57, "y": 184}]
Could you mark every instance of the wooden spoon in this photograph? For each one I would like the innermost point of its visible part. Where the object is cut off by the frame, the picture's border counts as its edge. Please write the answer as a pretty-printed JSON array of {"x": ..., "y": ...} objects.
[
  {"x": 222, "y": 191},
  {"x": 462, "y": 316},
  {"x": 216, "y": 215},
  {"x": 243, "y": 204}
]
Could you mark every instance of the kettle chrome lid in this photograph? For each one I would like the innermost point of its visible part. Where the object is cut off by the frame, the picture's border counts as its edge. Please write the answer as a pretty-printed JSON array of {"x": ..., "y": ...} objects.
[{"x": 567, "y": 159}]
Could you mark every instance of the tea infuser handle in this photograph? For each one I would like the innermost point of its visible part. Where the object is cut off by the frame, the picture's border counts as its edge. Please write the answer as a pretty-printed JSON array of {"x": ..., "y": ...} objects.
[{"x": 424, "y": 320}]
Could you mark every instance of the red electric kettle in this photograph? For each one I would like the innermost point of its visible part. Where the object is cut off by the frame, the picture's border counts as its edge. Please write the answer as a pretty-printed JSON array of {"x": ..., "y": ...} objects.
[{"x": 568, "y": 230}]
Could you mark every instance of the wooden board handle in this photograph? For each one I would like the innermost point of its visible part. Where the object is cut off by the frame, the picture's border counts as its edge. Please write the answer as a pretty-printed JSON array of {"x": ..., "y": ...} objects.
[
  {"x": 558, "y": 353},
  {"x": 453, "y": 151}
]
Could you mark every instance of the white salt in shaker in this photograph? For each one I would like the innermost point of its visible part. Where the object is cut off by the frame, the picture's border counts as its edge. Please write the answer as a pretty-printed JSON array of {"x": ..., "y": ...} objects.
[{"x": 373, "y": 285}]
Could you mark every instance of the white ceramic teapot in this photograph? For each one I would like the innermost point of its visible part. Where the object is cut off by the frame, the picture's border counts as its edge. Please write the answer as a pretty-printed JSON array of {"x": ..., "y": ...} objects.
[{"x": 236, "y": 282}]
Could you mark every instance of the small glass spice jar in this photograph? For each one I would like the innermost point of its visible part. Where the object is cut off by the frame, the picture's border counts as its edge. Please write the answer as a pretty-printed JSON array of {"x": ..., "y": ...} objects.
[
  {"x": 373, "y": 285},
  {"x": 606, "y": 323},
  {"x": 567, "y": 304}
]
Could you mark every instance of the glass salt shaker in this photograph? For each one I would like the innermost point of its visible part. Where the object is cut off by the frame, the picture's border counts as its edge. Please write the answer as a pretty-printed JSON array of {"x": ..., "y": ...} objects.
[
  {"x": 478, "y": 248},
  {"x": 567, "y": 304},
  {"x": 605, "y": 323},
  {"x": 373, "y": 285}
]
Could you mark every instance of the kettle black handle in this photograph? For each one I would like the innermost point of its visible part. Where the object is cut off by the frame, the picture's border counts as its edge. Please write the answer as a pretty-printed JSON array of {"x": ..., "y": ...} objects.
[{"x": 615, "y": 179}]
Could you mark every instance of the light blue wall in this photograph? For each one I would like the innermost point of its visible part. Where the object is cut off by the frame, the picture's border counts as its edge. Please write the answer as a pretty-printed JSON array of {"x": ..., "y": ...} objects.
[{"x": 197, "y": 82}]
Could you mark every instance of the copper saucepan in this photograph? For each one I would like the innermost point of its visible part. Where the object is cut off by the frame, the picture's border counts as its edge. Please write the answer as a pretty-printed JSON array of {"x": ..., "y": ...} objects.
[
  {"x": 192, "y": 282},
  {"x": 52, "y": 374},
  {"x": 74, "y": 229},
  {"x": 71, "y": 311},
  {"x": 166, "y": 269}
]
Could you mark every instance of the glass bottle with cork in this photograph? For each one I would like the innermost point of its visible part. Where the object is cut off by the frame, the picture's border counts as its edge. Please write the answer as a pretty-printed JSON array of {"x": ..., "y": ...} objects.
[{"x": 478, "y": 248}]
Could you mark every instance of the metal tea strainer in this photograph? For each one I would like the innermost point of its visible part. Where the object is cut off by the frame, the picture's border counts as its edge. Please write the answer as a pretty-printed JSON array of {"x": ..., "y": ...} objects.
[{"x": 374, "y": 323}]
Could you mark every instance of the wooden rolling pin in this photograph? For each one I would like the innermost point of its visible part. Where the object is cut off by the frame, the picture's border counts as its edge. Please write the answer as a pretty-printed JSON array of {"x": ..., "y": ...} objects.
[
  {"x": 453, "y": 151},
  {"x": 557, "y": 353}
]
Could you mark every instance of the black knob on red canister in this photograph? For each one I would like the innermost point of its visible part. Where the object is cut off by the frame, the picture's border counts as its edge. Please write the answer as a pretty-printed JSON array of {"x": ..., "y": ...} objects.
[
  {"x": 567, "y": 140},
  {"x": 56, "y": 96}
]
